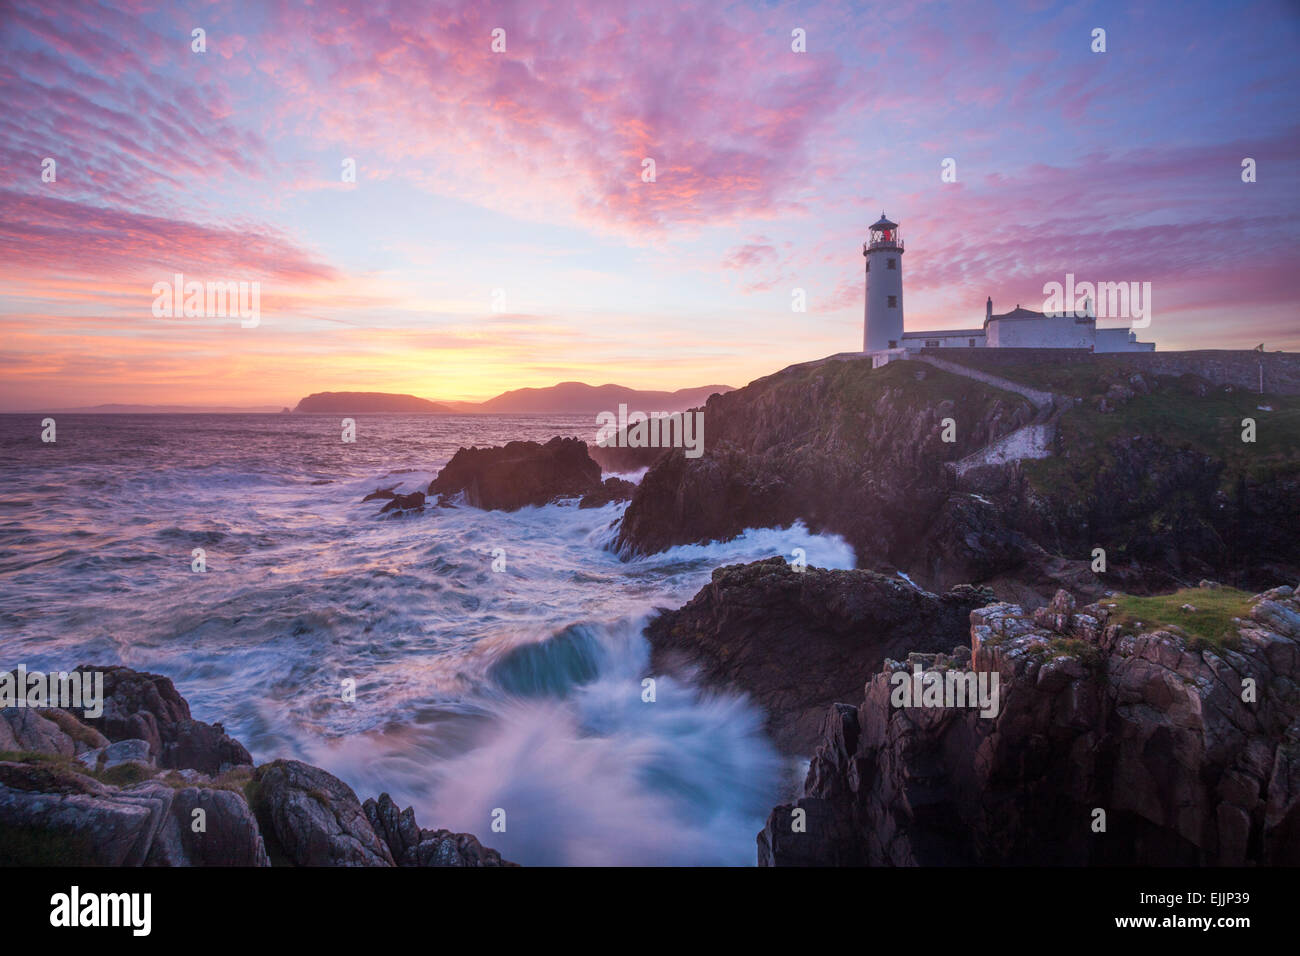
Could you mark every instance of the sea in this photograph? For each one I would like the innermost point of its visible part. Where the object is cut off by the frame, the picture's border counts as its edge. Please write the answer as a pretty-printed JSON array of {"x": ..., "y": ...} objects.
[{"x": 498, "y": 658}]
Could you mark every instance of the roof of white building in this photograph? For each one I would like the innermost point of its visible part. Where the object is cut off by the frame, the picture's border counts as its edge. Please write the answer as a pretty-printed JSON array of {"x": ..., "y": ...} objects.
[{"x": 1019, "y": 314}]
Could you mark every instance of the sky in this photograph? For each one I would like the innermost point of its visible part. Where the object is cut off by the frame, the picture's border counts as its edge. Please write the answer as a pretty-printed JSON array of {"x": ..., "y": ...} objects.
[{"x": 501, "y": 231}]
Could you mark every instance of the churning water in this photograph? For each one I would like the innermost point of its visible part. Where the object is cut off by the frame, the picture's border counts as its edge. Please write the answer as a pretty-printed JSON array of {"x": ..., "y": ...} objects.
[{"x": 476, "y": 689}]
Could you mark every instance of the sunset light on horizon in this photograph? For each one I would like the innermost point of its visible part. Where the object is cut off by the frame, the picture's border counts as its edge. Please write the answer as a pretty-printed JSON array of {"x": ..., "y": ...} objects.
[{"x": 502, "y": 232}]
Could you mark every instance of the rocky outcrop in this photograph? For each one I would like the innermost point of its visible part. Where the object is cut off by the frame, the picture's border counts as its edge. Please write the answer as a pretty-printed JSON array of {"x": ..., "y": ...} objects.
[
  {"x": 404, "y": 503},
  {"x": 70, "y": 797},
  {"x": 314, "y": 817},
  {"x": 410, "y": 845},
  {"x": 612, "y": 489},
  {"x": 140, "y": 706},
  {"x": 52, "y": 816},
  {"x": 1112, "y": 744},
  {"x": 796, "y": 641},
  {"x": 519, "y": 474},
  {"x": 846, "y": 449}
]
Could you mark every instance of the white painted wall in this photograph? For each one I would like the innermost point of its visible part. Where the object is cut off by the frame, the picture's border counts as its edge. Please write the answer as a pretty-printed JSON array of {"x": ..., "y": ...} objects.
[
  {"x": 1121, "y": 340},
  {"x": 1061, "y": 332}
]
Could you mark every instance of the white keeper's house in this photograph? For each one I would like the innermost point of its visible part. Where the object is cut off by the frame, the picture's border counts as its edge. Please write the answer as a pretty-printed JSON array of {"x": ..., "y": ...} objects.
[{"x": 884, "y": 340}]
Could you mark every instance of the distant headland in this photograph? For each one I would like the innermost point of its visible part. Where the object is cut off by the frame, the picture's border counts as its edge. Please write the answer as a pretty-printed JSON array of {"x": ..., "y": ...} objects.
[{"x": 566, "y": 398}]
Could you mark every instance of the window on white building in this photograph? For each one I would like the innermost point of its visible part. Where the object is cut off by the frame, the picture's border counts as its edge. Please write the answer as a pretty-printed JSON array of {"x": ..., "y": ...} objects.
[
  {"x": 972, "y": 343},
  {"x": 932, "y": 343}
]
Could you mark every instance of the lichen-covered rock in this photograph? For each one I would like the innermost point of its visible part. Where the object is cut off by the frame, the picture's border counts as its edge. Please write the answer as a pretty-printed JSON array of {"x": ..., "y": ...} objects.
[
  {"x": 53, "y": 816},
  {"x": 44, "y": 730}
]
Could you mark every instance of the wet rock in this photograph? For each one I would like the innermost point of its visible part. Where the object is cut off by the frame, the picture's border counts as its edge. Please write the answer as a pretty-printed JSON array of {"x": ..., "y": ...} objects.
[
  {"x": 412, "y": 502},
  {"x": 797, "y": 641},
  {"x": 519, "y": 474},
  {"x": 612, "y": 489},
  {"x": 412, "y": 846}
]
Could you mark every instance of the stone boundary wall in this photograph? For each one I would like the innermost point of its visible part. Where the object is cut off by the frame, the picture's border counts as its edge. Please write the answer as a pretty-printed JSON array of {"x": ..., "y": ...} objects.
[{"x": 1236, "y": 367}]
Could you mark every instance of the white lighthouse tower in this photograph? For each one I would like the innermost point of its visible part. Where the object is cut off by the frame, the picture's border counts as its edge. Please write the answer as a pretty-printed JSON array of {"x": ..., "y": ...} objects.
[{"x": 883, "y": 319}]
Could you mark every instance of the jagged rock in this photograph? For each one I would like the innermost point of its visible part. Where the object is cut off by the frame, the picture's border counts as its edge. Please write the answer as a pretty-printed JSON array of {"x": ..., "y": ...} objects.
[
  {"x": 797, "y": 641},
  {"x": 412, "y": 846},
  {"x": 204, "y": 747},
  {"x": 518, "y": 474},
  {"x": 380, "y": 493},
  {"x": 612, "y": 489},
  {"x": 412, "y": 502},
  {"x": 147, "y": 707},
  {"x": 314, "y": 817},
  {"x": 1092, "y": 716}
]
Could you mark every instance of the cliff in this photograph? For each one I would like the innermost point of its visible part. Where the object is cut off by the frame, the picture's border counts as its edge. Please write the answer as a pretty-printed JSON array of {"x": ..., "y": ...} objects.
[
  {"x": 845, "y": 448},
  {"x": 1116, "y": 741},
  {"x": 1151, "y": 468}
]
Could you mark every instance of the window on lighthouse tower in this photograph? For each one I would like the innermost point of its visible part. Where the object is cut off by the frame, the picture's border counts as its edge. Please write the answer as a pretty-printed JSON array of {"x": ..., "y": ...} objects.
[
  {"x": 893, "y": 302},
  {"x": 891, "y": 264}
]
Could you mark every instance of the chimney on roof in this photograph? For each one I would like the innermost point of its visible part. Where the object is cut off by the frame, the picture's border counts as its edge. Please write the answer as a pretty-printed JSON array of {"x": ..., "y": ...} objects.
[{"x": 988, "y": 309}]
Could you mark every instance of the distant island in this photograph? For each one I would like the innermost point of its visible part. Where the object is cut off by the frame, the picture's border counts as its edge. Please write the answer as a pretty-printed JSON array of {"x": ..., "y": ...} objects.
[
  {"x": 343, "y": 402},
  {"x": 566, "y": 398}
]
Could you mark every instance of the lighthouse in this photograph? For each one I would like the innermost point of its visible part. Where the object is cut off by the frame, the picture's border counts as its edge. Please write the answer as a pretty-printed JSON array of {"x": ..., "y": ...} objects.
[{"x": 883, "y": 316}]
